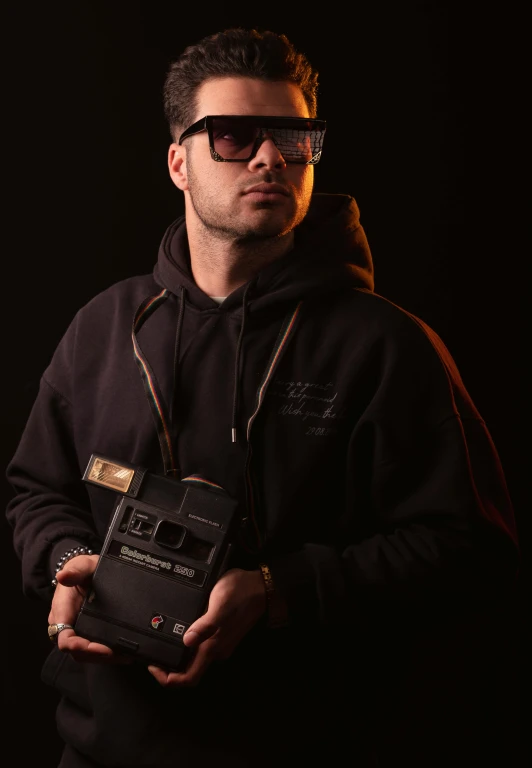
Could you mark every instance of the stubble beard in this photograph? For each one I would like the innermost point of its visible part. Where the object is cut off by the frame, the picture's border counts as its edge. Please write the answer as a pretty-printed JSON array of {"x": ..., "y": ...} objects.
[{"x": 222, "y": 224}]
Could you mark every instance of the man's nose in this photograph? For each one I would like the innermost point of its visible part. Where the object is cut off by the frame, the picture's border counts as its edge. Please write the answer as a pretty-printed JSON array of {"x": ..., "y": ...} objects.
[{"x": 268, "y": 153}]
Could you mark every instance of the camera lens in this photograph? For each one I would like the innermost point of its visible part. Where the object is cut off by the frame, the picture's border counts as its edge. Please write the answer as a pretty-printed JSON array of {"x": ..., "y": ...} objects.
[{"x": 169, "y": 534}]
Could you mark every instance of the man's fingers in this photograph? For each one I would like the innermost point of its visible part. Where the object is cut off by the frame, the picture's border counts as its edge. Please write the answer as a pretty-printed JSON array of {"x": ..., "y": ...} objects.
[
  {"x": 66, "y": 605},
  {"x": 73, "y": 643},
  {"x": 192, "y": 675},
  {"x": 199, "y": 631},
  {"x": 161, "y": 675},
  {"x": 77, "y": 572},
  {"x": 70, "y": 579},
  {"x": 198, "y": 666},
  {"x": 88, "y": 652}
]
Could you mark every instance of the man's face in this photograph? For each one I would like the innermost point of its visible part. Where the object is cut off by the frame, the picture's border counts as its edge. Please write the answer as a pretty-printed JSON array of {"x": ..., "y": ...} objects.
[{"x": 219, "y": 196}]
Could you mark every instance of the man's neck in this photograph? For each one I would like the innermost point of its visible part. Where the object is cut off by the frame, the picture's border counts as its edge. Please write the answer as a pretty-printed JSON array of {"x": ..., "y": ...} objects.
[{"x": 220, "y": 266}]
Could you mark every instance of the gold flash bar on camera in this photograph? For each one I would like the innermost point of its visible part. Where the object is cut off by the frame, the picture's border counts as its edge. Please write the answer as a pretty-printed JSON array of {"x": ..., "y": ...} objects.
[{"x": 110, "y": 474}]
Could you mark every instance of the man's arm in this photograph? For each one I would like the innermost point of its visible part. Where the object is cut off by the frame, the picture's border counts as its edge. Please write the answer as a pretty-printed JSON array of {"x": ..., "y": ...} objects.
[
  {"x": 424, "y": 475},
  {"x": 49, "y": 512}
]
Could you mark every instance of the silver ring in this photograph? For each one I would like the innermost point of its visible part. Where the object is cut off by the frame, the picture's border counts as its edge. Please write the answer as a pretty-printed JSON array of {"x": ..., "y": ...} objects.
[{"x": 55, "y": 629}]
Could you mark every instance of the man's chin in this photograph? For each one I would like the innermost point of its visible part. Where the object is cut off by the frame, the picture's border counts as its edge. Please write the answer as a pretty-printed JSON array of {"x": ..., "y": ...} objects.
[
  {"x": 267, "y": 231},
  {"x": 267, "y": 222}
]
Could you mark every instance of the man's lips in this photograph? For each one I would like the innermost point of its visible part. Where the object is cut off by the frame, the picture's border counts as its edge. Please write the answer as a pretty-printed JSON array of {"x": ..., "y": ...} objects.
[{"x": 266, "y": 191}]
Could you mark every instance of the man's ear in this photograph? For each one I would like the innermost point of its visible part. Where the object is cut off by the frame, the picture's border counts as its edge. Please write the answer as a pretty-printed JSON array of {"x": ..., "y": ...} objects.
[{"x": 177, "y": 166}]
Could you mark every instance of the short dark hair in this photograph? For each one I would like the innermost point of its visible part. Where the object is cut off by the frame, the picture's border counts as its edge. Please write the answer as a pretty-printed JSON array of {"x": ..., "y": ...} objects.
[{"x": 236, "y": 52}]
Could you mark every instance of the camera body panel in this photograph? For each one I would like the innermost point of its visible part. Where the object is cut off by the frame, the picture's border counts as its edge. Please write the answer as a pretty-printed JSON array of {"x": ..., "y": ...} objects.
[{"x": 167, "y": 544}]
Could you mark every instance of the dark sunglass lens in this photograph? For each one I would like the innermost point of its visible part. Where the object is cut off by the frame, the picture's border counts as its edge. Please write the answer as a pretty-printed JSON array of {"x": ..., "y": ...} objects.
[{"x": 233, "y": 139}]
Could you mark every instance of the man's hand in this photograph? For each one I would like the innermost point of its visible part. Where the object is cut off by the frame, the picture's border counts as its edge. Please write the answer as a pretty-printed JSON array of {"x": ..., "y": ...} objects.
[
  {"x": 236, "y": 603},
  {"x": 73, "y": 583}
]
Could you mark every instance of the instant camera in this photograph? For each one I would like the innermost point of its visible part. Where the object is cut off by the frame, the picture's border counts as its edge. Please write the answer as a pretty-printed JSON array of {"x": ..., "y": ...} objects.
[{"x": 167, "y": 544}]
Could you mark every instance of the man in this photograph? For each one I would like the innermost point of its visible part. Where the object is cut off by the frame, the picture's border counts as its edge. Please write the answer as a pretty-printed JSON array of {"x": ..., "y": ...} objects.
[{"x": 258, "y": 359}]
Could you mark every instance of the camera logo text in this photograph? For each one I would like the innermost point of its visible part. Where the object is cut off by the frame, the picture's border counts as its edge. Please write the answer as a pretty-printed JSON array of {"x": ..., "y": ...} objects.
[{"x": 145, "y": 557}]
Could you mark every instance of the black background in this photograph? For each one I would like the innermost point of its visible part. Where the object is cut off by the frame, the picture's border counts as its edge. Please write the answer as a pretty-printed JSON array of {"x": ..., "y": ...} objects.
[{"x": 425, "y": 109}]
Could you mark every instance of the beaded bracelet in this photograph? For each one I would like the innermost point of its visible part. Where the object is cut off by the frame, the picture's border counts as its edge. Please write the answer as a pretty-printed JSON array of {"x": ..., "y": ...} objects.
[{"x": 69, "y": 554}]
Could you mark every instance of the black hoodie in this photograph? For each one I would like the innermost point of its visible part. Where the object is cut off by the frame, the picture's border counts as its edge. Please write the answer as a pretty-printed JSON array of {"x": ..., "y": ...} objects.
[{"x": 365, "y": 477}]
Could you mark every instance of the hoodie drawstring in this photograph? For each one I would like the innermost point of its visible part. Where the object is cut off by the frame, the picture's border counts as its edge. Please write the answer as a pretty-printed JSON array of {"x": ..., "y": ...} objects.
[
  {"x": 165, "y": 422},
  {"x": 177, "y": 347},
  {"x": 151, "y": 386},
  {"x": 236, "y": 385}
]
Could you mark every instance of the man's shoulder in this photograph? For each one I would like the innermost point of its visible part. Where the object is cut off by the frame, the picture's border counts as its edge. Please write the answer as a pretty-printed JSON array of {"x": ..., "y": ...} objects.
[
  {"x": 101, "y": 324},
  {"x": 376, "y": 319},
  {"x": 111, "y": 309},
  {"x": 382, "y": 313},
  {"x": 126, "y": 293}
]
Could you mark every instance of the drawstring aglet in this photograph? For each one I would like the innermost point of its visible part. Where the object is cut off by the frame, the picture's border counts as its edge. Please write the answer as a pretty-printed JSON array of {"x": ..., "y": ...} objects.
[{"x": 233, "y": 434}]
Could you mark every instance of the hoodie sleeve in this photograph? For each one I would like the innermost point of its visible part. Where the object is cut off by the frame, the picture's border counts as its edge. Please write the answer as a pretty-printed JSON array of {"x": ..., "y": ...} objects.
[
  {"x": 49, "y": 512},
  {"x": 434, "y": 525}
]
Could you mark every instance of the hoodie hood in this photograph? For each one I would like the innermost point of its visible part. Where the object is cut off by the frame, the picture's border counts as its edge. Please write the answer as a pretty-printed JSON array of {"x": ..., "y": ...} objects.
[{"x": 331, "y": 252}]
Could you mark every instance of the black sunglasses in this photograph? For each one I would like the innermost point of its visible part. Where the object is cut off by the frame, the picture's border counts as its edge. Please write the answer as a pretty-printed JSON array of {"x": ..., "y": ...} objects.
[{"x": 237, "y": 138}]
